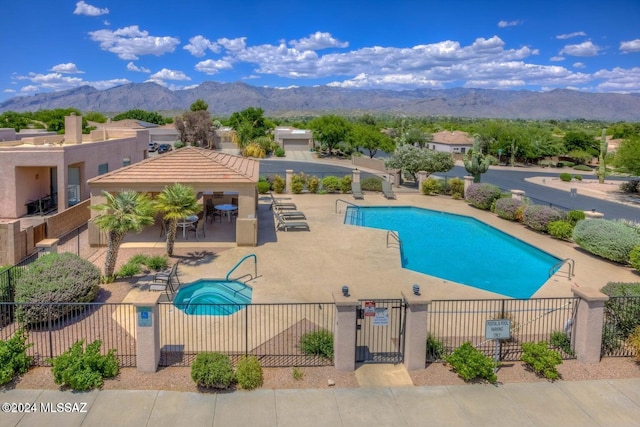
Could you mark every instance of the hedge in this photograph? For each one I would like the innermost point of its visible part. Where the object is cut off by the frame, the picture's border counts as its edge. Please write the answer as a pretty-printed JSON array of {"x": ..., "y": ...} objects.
[{"x": 608, "y": 239}]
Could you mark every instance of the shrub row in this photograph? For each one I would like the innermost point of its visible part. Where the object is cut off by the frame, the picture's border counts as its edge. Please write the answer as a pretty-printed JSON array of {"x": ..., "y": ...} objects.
[{"x": 214, "y": 370}]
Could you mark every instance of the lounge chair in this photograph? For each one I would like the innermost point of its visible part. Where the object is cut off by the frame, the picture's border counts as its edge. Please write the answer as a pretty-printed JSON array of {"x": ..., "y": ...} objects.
[
  {"x": 386, "y": 190},
  {"x": 286, "y": 225},
  {"x": 291, "y": 215},
  {"x": 277, "y": 203},
  {"x": 167, "y": 287},
  {"x": 356, "y": 191},
  {"x": 167, "y": 276}
]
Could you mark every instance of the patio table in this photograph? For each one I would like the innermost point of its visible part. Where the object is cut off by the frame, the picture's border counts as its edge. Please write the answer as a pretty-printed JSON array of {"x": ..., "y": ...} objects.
[
  {"x": 186, "y": 223},
  {"x": 227, "y": 208}
]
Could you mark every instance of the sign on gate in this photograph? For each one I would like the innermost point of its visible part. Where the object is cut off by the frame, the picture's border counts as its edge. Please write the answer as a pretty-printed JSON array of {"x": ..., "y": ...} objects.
[
  {"x": 369, "y": 308},
  {"x": 499, "y": 329},
  {"x": 381, "y": 317}
]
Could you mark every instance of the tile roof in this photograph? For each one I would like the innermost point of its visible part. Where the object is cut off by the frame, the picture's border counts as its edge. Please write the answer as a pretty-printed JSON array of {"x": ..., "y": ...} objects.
[
  {"x": 452, "y": 137},
  {"x": 188, "y": 165}
]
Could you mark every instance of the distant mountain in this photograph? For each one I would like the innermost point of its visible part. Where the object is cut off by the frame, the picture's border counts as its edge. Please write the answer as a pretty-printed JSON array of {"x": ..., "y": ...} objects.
[{"x": 225, "y": 98}]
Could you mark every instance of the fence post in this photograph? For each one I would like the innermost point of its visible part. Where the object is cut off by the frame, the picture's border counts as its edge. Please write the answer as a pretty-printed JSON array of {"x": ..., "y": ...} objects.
[
  {"x": 422, "y": 177},
  {"x": 344, "y": 340},
  {"x": 415, "y": 336},
  {"x": 517, "y": 194},
  {"x": 356, "y": 175},
  {"x": 468, "y": 180},
  {"x": 147, "y": 327},
  {"x": 288, "y": 178},
  {"x": 587, "y": 325}
]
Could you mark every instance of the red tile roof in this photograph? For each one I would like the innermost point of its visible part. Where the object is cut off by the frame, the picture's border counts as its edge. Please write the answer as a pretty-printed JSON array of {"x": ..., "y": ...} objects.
[{"x": 452, "y": 137}]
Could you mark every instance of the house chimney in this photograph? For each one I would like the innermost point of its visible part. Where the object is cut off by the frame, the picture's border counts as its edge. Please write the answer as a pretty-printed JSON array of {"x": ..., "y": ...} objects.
[{"x": 73, "y": 129}]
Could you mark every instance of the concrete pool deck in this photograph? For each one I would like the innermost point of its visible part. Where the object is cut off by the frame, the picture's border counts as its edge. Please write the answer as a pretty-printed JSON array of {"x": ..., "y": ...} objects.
[{"x": 308, "y": 266}]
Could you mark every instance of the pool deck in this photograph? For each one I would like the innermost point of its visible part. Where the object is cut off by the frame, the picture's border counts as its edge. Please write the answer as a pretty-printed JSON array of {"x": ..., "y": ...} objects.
[{"x": 309, "y": 266}]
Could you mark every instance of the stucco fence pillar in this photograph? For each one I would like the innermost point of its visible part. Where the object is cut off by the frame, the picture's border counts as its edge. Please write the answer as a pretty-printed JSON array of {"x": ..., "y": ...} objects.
[
  {"x": 517, "y": 195},
  {"x": 587, "y": 324},
  {"x": 356, "y": 176},
  {"x": 147, "y": 327},
  {"x": 344, "y": 338},
  {"x": 288, "y": 178},
  {"x": 468, "y": 180},
  {"x": 415, "y": 351},
  {"x": 422, "y": 177}
]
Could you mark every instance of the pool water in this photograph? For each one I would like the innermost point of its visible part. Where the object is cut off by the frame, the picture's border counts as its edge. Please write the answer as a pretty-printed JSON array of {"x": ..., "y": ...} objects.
[
  {"x": 461, "y": 249},
  {"x": 213, "y": 297}
]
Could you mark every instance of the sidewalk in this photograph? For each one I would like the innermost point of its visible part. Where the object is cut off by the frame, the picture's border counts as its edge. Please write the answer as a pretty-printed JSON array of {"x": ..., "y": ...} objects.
[{"x": 578, "y": 403}]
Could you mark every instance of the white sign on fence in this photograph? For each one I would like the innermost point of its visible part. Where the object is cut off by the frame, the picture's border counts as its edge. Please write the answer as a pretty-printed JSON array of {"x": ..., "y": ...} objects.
[
  {"x": 499, "y": 329},
  {"x": 382, "y": 317}
]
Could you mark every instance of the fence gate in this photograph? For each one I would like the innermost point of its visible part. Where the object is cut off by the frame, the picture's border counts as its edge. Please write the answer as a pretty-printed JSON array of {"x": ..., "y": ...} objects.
[{"x": 380, "y": 331}]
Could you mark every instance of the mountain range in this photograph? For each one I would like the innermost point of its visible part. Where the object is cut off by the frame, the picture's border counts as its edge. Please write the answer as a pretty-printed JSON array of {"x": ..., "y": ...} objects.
[{"x": 225, "y": 98}]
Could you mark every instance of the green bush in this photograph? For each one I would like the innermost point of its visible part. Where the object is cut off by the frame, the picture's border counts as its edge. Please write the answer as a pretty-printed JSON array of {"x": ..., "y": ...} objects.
[
  {"x": 577, "y": 177},
  {"x": 538, "y": 217},
  {"x": 279, "y": 184},
  {"x": 279, "y": 152},
  {"x": 611, "y": 240},
  {"x": 622, "y": 314},
  {"x": 634, "y": 258},
  {"x": 298, "y": 182},
  {"x": 138, "y": 259},
  {"x": 212, "y": 370},
  {"x": 82, "y": 369},
  {"x": 508, "y": 208},
  {"x": 158, "y": 262},
  {"x": 249, "y": 373},
  {"x": 455, "y": 188},
  {"x": 263, "y": 187},
  {"x": 566, "y": 177},
  {"x": 317, "y": 343},
  {"x": 345, "y": 184},
  {"x": 541, "y": 359},
  {"x": 435, "y": 348},
  {"x": 371, "y": 183},
  {"x": 331, "y": 184},
  {"x": 55, "y": 278},
  {"x": 560, "y": 229},
  {"x": 482, "y": 196},
  {"x": 313, "y": 184},
  {"x": 546, "y": 163},
  {"x": 470, "y": 363},
  {"x": 634, "y": 342},
  {"x": 584, "y": 168},
  {"x": 13, "y": 356},
  {"x": 565, "y": 163},
  {"x": 574, "y": 216},
  {"x": 129, "y": 269},
  {"x": 430, "y": 186},
  {"x": 562, "y": 342}
]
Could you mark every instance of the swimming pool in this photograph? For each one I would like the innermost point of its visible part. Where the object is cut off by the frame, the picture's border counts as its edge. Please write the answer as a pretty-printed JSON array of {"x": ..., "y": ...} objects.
[
  {"x": 461, "y": 249},
  {"x": 213, "y": 297}
]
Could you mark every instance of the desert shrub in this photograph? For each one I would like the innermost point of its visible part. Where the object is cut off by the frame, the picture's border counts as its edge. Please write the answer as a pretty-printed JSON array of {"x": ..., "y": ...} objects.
[
  {"x": 331, "y": 184},
  {"x": 430, "y": 186},
  {"x": 611, "y": 240},
  {"x": 574, "y": 216},
  {"x": 371, "y": 183},
  {"x": 249, "y": 373},
  {"x": 279, "y": 152},
  {"x": 546, "y": 163},
  {"x": 297, "y": 183},
  {"x": 470, "y": 363},
  {"x": 634, "y": 257},
  {"x": 13, "y": 356},
  {"x": 622, "y": 313},
  {"x": 634, "y": 341},
  {"x": 482, "y": 196},
  {"x": 507, "y": 208},
  {"x": 565, "y": 163},
  {"x": 538, "y": 217},
  {"x": 435, "y": 348},
  {"x": 263, "y": 187},
  {"x": 129, "y": 269},
  {"x": 345, "y": 184},
  {"x": 157, "y": 262},
  {"x": 212, "y": 370},
  {"x": 317, "y": 343},
  {"x": 632, "y": 186},
  {"x": 313, "y": 184},
  {"x": 566, "y": 177},
  {"x": 55, "y": 278},
  {"x": 279, "y": 184},
  {"x": 584, "y": 168},
  {"x": 560, "y": 229},
  {"x": 541, "y": 359},
  {"x": 297, "y": 373},
  {"x": 577, "y": 177},
  {"x": 138, "y": 259},
  {"x": 84, "y": 369},
  {"x": 254, "y": 149},
  {"x": 561, "y": 341},
  {"x": 455, "y": 187}
]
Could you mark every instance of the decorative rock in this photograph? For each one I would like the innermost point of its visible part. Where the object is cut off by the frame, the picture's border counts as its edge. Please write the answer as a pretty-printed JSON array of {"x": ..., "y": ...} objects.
[{"x": 331, "y": 382}]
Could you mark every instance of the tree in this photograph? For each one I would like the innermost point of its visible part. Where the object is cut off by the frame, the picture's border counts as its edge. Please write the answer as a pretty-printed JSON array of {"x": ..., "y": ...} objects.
[
  {"x": 330, "y": 130},
  {"x": 369, "y": 138},
  {"x": 418, "y": 137},
  {"x": 252, "y": 122},
  {"x": 145, "y": 116},
  {"x": 413, "y": 160},
  {"x": 580, "y": 140},
  {"x": 176, "y": 202},
  {"x": 196, "y": 128},
  {"x": 199, "y": 105},
  {"x": 95, "y": 117},
  {"x": 126, "y": 211},
  {"x": 627, "y": 156}
]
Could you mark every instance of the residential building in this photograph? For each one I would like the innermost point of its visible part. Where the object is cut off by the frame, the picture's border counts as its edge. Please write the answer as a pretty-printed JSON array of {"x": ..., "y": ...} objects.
[
  {"x": 292, "y": 139},
  {"x": 454, "y": 142}
]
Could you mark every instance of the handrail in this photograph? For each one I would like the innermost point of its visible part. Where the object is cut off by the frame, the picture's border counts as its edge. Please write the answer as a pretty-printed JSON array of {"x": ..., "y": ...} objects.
[
  {"x": 344, "y": 201},
  {"x": 394, "y": 235},
  {"x": 255, "y": 259},
  {"x": 569, "y": 261}
]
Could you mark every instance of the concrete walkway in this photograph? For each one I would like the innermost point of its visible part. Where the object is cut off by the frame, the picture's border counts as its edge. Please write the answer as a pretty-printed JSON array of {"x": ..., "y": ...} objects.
[{"x": 579, "y": 403}]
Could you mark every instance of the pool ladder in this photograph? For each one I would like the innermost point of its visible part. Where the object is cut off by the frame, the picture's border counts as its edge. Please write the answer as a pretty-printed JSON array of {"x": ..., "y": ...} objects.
[
  {"x": 395, "y": 236},
  {"x": 255, "y": 267},
  {"x": 570, "y": 262}
]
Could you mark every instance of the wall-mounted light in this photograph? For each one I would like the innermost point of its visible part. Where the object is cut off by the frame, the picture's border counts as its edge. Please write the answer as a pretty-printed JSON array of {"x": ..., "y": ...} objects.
[
  {"x": 345, "y": 291},
  {"x": 416, "y": 289}
]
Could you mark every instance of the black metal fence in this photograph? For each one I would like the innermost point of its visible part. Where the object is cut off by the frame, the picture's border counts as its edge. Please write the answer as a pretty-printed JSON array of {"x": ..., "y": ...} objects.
[
  {"x": 54, "y": 327},
  {"x": 451, "y": 323},
  {"x": 77, "y": 242},
  {"x": 9, "y": 275},
  {"x": 621, "y": 317},
  {"x": 271, "y": 332}
]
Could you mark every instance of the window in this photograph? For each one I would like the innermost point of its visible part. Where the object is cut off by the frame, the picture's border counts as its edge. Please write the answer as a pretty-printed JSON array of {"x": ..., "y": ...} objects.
[
  {"x": 126, "y": 161},
  {"x": 103, "y": 168}
]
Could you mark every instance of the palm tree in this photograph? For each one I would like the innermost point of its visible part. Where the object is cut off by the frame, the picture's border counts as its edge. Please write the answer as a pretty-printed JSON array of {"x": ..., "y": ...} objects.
[
  {"x": 126, "y": 211},
  {"x": 176, "y": 201}
]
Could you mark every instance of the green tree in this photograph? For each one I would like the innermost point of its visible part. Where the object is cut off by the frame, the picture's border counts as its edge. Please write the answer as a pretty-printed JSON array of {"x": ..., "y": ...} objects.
[
  {"x": 176, "y": 201},
  {"x": 252, "y": 122},
  {"x": 145, "y": 116},
  {"x": 418, "y": 137},
  {"x": 369, "y": 138},
  {"x": 580, "y": 140},
  {"x": 330, "y": 130},
  {"x": 95, "y": 117},
  {"x": 121, "y": 213},
  {"x": 413, "y": 160},
  {"x": 199, "y": 105},
  {"x": 627, "y": 156}
]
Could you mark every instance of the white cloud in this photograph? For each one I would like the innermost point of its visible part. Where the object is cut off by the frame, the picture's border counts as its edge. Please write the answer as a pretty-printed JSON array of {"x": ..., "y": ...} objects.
[
  {"x": 29, "y": 88},
  {"x": 198, "y": 45},
  {"x": 233, "y": 45},
  {"x": 504, "y": 24},
  {"x": 619, "y": 80},
  {"x": 579, "y": 65},
  {"x": 83, "y": 8},
  {"x": 9, "y": 91},
  {"x": 57, "y": 82},
  {"x": 630, "y": 46},
  {"x": 318, "y": 41},
  {"x": 133, "y": 67},
  {"x": 571, "y": 35},
  {"x": 582, "y": 49},
  {"x": 212, "y": 67},
  {"x": 557, "y": 58},
  {"x": 68, "y": 68},
  {"x": 166, "y": 74},
  {"x": 129, "y": 42}
]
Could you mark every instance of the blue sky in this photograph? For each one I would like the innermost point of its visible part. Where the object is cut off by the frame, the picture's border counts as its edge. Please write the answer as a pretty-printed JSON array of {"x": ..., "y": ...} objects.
[{"x": 51, "y": 45}]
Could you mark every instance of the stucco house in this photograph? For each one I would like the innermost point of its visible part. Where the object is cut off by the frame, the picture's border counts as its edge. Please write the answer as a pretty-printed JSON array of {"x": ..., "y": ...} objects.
[
  {"x": 454, "y": 142},
  {"x": 292, "y": 139}
]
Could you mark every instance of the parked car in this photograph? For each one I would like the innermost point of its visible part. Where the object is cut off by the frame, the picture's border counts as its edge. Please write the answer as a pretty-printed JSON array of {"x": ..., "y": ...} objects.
[
  {"x": 153, "y": 146},
  {"x": 163, "y": 148}
]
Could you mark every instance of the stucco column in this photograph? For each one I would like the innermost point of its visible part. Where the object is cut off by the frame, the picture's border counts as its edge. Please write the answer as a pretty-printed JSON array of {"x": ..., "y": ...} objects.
[
  {"x": 289, "y": 176},
  {"x": 587, "y": 324},
  {"x": 422, "y": 177},
  {"x": 48, "y": 245},
  {"x": 147, "y": 327},
  {"x": 356, "y": 175},
  {"x": 344, "y": 339},
  {"x": 517, "y": 194},
  {"x": 415, "y": 337},
  {"x": 468, "y": 180}
]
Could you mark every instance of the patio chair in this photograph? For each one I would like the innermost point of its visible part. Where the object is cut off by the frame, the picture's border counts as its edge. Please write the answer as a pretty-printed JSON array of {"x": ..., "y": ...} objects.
[
  {"x": 197, "y": 228},
  {"x": 289, "y": 215},
  {"x": 277, "y": 203},
  {"x": 167, "y": 276},
  {"x": 356, "y": 191},
  {"x": 386, "y": 190},
  {"x": 167, "y": 287},
  {"x": 286, "y": 225}
]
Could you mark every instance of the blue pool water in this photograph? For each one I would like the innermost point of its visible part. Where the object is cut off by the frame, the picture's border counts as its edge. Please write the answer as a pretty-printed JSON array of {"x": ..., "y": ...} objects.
[
  {"x": 461, "y": 249},
  {"x": 213, "y": 297}
]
